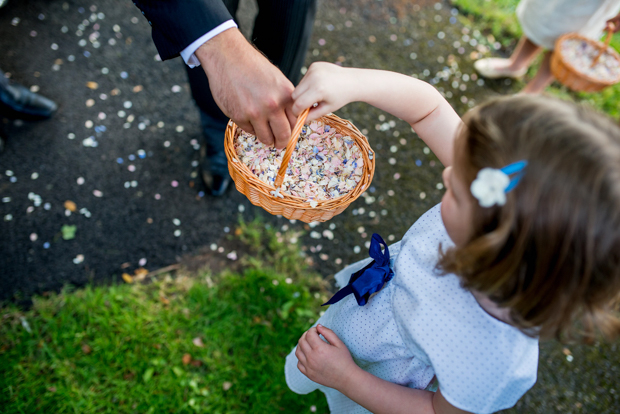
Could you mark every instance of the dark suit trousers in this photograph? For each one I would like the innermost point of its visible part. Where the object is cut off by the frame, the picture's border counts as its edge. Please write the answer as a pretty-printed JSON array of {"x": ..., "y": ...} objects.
[{"x": 282, "y": 32}]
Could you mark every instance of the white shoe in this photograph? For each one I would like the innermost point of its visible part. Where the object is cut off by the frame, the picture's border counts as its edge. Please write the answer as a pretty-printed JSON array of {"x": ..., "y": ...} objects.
[{"x": 494, "y": 68}]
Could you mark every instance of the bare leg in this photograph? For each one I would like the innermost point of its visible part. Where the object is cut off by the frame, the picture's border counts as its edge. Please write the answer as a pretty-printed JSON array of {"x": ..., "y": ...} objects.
[
  {"x": 543, "y": 77},
  {"x": 523, "y": 55}
]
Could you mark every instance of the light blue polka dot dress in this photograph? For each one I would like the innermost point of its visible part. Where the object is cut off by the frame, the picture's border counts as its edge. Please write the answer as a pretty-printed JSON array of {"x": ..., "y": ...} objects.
[{"x": 422, "y": 325}]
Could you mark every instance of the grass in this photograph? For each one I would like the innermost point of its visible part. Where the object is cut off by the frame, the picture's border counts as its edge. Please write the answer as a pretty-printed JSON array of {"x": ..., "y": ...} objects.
[
  {"x": 498, "y": 18},
  {"x": 180, "y": 344}
]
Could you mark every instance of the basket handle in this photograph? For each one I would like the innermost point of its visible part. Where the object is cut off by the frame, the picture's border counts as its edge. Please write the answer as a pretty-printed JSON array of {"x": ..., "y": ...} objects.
[
  {"x": 290, "y": 146},
  {"x": 610, "y": 31}
]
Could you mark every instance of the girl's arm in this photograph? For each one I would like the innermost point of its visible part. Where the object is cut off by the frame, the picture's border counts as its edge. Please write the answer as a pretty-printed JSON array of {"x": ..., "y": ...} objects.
[
  {"x": 412, "y": 100},
  {"x": 330, "y": 364}
]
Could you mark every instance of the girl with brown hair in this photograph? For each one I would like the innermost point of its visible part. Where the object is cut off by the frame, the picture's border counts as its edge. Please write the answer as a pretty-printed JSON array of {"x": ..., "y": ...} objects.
[{"x": 525, "y": 245}]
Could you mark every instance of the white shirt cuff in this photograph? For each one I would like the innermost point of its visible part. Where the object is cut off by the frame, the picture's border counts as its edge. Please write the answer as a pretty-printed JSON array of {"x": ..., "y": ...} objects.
[{"x": 188, "y": 53}]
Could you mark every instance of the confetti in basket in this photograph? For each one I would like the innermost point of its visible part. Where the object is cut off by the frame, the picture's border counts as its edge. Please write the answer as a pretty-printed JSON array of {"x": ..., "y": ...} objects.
[
  {"x": 585, "y": 65},
  {"x": 289, "y": 206}
]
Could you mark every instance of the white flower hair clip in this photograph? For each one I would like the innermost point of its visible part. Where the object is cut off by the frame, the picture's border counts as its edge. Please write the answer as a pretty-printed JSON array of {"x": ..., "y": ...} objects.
[{"x": 492, "y": 184}]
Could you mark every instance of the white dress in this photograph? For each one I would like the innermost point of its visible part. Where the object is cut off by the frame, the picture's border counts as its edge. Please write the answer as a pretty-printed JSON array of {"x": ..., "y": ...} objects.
[
  {"x": 543, "y": 21},
  {"x": 422, "y": 325}
]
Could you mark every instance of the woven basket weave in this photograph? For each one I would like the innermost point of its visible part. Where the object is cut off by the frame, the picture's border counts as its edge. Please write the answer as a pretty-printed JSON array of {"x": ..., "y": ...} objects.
[
  {"x": 569, "y": 76},
  {"x": 291, "y": 207}
]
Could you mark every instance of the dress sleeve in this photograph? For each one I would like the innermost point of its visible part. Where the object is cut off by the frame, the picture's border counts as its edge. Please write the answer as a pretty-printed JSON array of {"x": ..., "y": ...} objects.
[{"x": 177, "y": 23}]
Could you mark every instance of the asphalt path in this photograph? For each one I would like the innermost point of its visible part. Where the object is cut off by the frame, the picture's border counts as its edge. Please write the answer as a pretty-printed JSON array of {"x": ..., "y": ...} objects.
[{"x": 111, "y": 183}]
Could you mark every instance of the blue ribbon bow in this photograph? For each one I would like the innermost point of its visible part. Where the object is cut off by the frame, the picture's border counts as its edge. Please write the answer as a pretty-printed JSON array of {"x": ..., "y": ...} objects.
[{"x": 371, "y": 278}]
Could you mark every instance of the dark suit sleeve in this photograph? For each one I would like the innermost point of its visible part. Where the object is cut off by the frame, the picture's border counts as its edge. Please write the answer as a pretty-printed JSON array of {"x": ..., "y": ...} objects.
[{"x": 177, "y": 23}]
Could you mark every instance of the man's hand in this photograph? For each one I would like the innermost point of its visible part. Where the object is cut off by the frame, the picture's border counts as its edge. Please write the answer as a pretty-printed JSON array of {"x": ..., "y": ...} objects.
[
  {"x": 329, "y": 364},
  {"x": 248, "y": 88}
]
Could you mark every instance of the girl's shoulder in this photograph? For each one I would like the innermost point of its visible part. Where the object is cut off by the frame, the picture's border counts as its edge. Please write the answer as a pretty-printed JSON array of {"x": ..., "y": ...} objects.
[{"x": 482, "y": 363}]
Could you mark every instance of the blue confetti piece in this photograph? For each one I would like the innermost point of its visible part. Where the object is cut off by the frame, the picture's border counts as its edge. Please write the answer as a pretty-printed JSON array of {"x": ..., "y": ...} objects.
[
  {"x": 418, "y": 163},
  {"x": 86, "y": 53},
  {"x": 431, "y": 43},
  {"x": 46, "y": 245},
  {"x": 81, "y": 10},
  {"x": 315, "y": 150},
  {"x": 326, "y": 129},
  {"x": 124, "y": 75},
  {"x": 372, "y": 189},
  {"x": 131, "y": 157},
  {"x": 201, "y": 194},
  {"x": 452, "y": 20},
  {"x": 119, "y": 160}
]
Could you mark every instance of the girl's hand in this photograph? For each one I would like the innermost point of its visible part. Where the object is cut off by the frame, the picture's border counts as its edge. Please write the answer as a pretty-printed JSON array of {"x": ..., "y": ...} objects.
[
  {"x": 328, "y": 85},
  {"x": 329, "y": 364},
  {"x": 613, "y": 24}
]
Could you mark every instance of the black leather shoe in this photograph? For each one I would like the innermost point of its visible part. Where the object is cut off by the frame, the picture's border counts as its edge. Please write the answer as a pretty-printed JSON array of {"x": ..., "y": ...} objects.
[
  {"x": 16, "y": 101},
  {"x": 221, "y": 184},
  {"x": 217, "y": 184}
]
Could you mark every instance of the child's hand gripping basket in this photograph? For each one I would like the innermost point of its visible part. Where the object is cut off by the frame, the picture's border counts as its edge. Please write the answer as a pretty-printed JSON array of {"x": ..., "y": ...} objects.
[
  {"x": 583, "y": 64},
  {"x": 287, "y": 205}
]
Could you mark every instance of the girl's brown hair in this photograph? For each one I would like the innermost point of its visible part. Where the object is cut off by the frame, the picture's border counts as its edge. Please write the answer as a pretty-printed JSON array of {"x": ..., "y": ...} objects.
[{"x": 551, "y": 254}]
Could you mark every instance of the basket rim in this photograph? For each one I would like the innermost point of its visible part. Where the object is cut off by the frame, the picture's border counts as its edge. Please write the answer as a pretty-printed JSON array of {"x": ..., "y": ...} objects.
[
  {"x": 565, "y": 62},
  {"x": 289, "y": 200}
]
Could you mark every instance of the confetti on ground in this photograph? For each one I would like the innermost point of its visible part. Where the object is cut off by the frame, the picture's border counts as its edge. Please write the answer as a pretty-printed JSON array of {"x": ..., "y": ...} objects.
[
  {"x": 100, "y": 146},
  {"x": 71, "y": 206},
  {"x": 68, "y": 231}
]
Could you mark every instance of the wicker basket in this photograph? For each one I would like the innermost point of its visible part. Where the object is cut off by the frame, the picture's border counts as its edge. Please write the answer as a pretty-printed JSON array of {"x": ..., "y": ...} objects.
[
  {"x": 291, "y": 207},
  {"x": 570, "y": 76}
]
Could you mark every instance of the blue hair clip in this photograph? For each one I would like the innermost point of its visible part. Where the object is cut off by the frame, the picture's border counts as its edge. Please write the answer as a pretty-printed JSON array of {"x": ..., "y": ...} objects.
[
  {"x": 492, "y": 184},
  {"x": 514, "y": 168}
]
